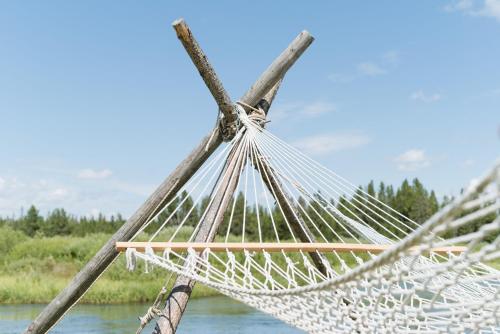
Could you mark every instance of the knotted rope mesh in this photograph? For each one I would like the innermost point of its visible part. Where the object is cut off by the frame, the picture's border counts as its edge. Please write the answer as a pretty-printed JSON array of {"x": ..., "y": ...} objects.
[{"x": 282, "y": 196}]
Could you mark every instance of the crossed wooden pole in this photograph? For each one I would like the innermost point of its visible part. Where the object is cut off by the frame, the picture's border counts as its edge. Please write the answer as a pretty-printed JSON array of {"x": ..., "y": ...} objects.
[{"x": 260, "y": 96}]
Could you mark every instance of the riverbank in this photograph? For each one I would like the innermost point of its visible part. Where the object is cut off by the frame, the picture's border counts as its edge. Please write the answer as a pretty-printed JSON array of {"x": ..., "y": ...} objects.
[{"x": 34, "y": 270}]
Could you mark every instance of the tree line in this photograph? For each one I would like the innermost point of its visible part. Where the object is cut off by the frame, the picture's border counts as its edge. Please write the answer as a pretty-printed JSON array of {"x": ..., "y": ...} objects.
[
  {"x": 411, "y": 199},
  {"x": 59, "y": 222}
]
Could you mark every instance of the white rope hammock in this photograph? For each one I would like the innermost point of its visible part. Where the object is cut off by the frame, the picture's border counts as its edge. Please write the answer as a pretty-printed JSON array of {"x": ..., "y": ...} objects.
[{"x": 391, "y": 274}]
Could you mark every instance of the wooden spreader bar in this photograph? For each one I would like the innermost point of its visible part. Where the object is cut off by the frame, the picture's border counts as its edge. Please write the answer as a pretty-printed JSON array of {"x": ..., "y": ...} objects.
[{"x": 268, "y": 247}]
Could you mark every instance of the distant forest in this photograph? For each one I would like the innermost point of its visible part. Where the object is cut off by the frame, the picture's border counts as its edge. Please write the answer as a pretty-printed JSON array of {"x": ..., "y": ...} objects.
[{"x": 411, "y": 199}]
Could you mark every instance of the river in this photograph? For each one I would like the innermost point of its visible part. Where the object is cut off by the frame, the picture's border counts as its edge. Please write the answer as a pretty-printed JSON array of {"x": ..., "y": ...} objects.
[{"x": 205, "y": 315}]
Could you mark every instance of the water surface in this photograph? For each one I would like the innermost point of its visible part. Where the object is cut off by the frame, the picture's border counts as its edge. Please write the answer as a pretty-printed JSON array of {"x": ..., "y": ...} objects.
[{"x": 205, "y": 315}]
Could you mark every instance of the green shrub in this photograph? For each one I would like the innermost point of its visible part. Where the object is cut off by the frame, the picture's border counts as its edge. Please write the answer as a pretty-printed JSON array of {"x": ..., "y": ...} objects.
[{"x": 9, "y": 238}]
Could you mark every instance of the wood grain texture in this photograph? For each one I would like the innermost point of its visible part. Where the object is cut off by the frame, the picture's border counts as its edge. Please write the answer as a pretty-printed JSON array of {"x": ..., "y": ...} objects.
[
  {"x": 209, "y": 76},
  {"x": 270, "y": 247},
  {"x": 278, "y": 68}
]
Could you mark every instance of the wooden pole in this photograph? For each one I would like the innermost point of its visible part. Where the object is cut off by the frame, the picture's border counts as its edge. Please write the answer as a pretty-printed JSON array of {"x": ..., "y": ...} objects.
[
  {"x": 178, "y": 298},
  {"x": 276, "y": 189},
  {"x": 323, "y": 247},
  {"x": 278, "y": 68},
  {"x": 164, "y": 193},
  {"x": 210, "y": 77},
  {"x": 176, "y": 302},
  {"x": 290, "y": 212},
  {"x": 264, "y": 84}
]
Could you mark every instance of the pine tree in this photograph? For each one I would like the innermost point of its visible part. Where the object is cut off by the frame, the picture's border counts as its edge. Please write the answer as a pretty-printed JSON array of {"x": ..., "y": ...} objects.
[
  {"x": 381, "y": 195},
  {"x": 433, "y": 203},
  {"x": 57, "y": 223},
  {"x": 403, "y": 200},
  {"x": 419, "y": 205},
  {"x": 31, "y": 223},
  {"x": 389, "y": 195},
  {"x": 371, "y": 210}
]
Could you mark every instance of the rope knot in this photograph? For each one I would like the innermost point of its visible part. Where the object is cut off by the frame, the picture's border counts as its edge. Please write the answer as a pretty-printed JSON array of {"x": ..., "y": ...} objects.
[
  {"x": 130, "y": 258},
  {"x": 166, "y": 253}
]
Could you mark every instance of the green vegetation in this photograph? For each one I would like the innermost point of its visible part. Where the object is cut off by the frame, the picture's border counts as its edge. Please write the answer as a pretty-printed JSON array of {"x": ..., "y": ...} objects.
[
  {"x": 34, "y": 270},
  {"x": 39, "y": 255}
]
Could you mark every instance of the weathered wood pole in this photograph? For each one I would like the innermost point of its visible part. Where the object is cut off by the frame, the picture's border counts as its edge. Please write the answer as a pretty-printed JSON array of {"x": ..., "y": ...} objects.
[
  {"x": 267, "y": 84},
  {"x": 214, "y": 215},
  {"x": 207, "y": 72},
  {"x": 290, "y": 212},
  {"x": 178, "y": 298},
  {"x": 164, "y": 193}
]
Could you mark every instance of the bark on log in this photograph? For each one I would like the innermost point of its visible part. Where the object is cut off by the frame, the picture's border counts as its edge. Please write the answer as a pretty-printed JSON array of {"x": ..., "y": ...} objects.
[
  {"x": 268, "y": 79},
  {"x": 268, "y": 84},
  {"x": 181, "y": 291},
  {"x": 210, "y": 77},
  {"x": 290, "y": 212},
  {"x": 179, "y": 296},
  {"x": 278, "y": 68}
]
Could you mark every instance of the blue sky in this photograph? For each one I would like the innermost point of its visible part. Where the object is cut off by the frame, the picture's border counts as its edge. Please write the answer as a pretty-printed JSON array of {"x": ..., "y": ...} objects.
[{"x": 99, "y": 101}]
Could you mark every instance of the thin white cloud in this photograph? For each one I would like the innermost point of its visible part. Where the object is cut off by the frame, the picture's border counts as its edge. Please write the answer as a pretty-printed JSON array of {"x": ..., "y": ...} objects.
[
  {"x": 491, "y": 8},
  {"x": 460, "y": 5},
  {"x": 340, "y": 78},
  {"x": 381, "y": 65},
  {"x": 301, "y": 110},
  {"x": 328, "y": 143},
  {"x": 391, "y": 57},
  {"x": 134, "y": 189},
  {"x": 283, "y": 110},
  {"x": 412, "y": 160},
  {"x": 486, "y": 8},
  {"x": 44, "y": 194},
  {"x": 94, "y": 174},
  {"x": 58, "y": 193},
  {"x": 318, "y": 108},
  {"x": 75, "y": 195},
  {"x": 423, "y": 97},
  {"x": 492, "y": 92},
  {"x": 370, "y": 69}
]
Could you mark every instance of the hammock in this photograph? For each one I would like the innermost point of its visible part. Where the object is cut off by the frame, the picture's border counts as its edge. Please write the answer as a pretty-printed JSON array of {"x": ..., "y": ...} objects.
[{"x": 301, "y": 243}]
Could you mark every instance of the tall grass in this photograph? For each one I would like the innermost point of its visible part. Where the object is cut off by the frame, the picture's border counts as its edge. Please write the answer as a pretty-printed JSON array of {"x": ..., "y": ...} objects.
[{"x": 34, "y": 270}]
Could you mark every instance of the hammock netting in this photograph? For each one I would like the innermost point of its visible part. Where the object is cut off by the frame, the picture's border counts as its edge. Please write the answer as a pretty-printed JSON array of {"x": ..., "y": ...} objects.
[{"x": 273, "y": 193}]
